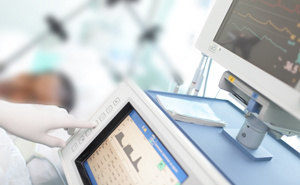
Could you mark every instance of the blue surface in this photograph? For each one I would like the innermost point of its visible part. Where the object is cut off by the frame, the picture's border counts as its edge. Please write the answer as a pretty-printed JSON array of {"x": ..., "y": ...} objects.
[
  {"x": 284, "y": 168},
  {"x": 159, "y": 148},
  {"x": 260, "y": 154},
  {"x": 90, "y": 173}
]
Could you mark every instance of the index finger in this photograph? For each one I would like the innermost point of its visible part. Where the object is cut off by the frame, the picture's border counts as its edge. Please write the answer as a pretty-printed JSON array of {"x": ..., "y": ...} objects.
[{"x": 75, "y": 123}]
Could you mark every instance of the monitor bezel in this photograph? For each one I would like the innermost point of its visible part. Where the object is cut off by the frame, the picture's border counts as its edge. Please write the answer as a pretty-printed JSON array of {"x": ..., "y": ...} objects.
[
  {"x": 92, "y": 147},
  {"x": 103, "y": 135},
  {"x": 278, "y": 92}
]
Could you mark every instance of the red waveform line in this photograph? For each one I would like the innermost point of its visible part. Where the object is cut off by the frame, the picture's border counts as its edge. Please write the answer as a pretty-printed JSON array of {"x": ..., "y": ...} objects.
[{"x": 278, "y": 4}]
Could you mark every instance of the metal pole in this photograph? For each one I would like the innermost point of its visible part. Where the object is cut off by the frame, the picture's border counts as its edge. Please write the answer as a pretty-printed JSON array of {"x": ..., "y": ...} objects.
[{"x": 207, "y": 75}]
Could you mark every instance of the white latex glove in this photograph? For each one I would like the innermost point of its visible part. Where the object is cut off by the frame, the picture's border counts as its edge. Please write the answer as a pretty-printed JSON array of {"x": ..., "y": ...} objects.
[{"x": 33, "y": 122}]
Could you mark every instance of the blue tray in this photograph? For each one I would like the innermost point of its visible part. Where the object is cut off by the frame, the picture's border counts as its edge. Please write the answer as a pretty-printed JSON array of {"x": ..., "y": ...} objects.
[{"x": 284, "y": 168}]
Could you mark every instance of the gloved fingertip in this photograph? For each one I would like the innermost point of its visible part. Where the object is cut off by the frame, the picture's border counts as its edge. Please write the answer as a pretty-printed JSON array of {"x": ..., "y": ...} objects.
[
  {"x": 93, "y": 124},
  {"x": 61, "y": 145},
  {"x": 81, "y": 124},
  {"x": 89, "y": 124}
]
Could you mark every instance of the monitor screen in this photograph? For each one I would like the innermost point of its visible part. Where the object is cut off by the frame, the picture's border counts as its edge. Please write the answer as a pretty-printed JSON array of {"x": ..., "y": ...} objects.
[
  {"x": 132, "y": 154},
  {"x": 265, "y": 33}
]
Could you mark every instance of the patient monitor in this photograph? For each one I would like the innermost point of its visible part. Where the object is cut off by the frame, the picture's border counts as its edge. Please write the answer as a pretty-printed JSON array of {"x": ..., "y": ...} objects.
[
  {"x": 134, "y": 143},
  {"x": 259, "y": 43}
]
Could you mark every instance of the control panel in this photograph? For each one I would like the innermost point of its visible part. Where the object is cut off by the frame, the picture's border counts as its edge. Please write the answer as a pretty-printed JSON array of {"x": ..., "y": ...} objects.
[
  {"x": 82, "y": 134},
  {"x": 141, "y": 138}
]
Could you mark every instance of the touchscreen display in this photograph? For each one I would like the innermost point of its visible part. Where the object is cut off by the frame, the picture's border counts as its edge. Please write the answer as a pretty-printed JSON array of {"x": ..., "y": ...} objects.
[{"x": 132, "y": 154}]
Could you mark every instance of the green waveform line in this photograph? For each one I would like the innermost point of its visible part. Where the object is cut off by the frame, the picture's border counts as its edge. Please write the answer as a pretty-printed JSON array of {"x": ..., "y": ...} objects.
[
  {"x": 260, "y": 38},
  {"x": 298, "y": 59}
]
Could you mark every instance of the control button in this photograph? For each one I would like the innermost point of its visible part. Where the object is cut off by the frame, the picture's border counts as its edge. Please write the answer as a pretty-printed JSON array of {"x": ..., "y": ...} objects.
[
  {"x": 116, "y": 101},
  {"x": 88, "y": 132},
  {"x": 109, "y": 109},
  {"x": 212, "y": 48},
  {"x": 74, "y": 147},
  {"x": 97, "y": 124},
  {"x": 81, "y": 139},
  {"x": 102, "y": 116}
]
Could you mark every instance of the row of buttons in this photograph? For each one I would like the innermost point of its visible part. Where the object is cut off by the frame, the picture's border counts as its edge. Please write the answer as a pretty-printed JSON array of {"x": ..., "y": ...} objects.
[
  {"x": 102, "y": 117},
  {"x": 109, "y": 109},
  {"x": 81, "y": 139}
]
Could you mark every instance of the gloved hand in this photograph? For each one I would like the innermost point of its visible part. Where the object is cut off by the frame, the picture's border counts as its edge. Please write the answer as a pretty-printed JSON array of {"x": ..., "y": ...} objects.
[{"x": 33, "y": 122}]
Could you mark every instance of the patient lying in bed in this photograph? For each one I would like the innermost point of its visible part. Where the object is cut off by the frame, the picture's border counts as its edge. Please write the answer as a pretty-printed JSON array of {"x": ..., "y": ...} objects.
[{"x": 45, "y": 88}]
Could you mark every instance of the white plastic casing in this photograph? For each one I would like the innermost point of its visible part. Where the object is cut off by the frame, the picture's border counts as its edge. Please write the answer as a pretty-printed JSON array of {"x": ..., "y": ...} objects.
[
  {"x": 277, "y": 91},
  {"x": 250, "y": 137},
  {"x": 197, "y": 167}
]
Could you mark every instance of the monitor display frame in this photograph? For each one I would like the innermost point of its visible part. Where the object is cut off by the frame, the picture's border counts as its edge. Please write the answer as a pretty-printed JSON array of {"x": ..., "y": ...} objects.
[
  {"x": 114, "y": 123},
  {"x": 186, "y": 155},
  {"x": 271, "y": 87},
  {"x": 107, "y": 131}
]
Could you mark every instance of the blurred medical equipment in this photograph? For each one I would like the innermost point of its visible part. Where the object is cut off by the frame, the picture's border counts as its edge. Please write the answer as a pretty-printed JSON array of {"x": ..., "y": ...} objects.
[
  {"x": 207, "y": 76},
  {"x": 198, "y": 78},
  {"x": 33, "y": 122},
  {"x": 56, "y": 28},
  {"x": 196, "y": 75},
  {"x": 150, "y": 34},
  {"x": 134, "y": 143},
  {"x": 263, "y": 59}
]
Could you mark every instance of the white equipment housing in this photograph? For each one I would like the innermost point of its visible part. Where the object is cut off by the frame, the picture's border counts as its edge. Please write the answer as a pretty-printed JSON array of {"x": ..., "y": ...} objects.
[
  {"x": 83, "y": 147},
  {"x": 271, "y": 87},
  {"x": 245, "y": 38}
]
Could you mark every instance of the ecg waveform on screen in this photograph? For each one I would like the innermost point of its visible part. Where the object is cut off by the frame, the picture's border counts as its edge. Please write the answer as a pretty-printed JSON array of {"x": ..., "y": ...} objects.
[
  {"x": 278, "y": 4},
  {"x": 285, "y": 29},
  {"x": 265, "y": 33},
  {"x": 128, "y": 150},
  {"x": 260, "y": 38}
]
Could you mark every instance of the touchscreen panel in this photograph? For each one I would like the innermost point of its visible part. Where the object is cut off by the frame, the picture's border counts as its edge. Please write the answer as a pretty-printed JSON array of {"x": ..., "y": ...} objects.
[{"x": 132, "y": 154}]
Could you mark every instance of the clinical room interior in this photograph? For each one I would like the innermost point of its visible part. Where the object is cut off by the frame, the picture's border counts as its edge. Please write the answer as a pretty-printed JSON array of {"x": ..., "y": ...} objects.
[{"x": 75, "y": 55}]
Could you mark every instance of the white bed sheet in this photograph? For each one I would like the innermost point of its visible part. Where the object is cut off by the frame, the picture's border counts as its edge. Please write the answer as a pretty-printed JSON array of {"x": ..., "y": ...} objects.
[
  {"x": 41, "y": 172},
  {"x": 13, "y": 169}
]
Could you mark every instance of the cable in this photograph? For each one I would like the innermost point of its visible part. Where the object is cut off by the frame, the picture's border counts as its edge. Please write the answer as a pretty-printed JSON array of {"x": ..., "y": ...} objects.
[
  {"x": 217, "y": 93},
  {"x": 206, "y": 78},
  {"x": 197, "y": 72},
  {"x": 200, "y": 79}
]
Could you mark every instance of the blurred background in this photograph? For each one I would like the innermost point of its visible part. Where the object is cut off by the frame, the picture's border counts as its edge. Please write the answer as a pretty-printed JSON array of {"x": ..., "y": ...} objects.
[
  {"x": 73, "y": 53},
  {"x": 95, "y": 44}
]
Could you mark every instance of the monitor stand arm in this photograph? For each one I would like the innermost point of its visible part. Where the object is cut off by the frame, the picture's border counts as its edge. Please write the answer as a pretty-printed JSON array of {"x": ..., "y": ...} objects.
[
  {"x": 250, "y": 136},
  {"x": 262, "y": 116},
  {"x": 252, "y": 132}
]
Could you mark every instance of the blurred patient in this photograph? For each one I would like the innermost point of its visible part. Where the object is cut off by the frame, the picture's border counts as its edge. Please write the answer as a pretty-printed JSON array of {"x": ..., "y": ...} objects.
[{"x": 49, "y": 88}]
